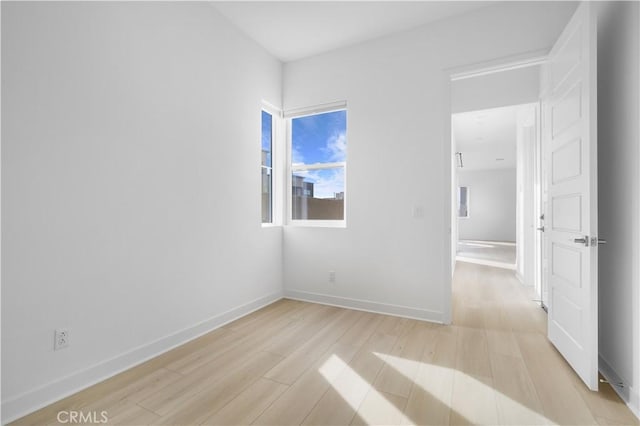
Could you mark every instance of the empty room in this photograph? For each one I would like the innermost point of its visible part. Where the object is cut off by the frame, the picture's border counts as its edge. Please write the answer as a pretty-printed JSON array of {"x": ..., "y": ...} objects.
[{"x": 234, "y": 213}]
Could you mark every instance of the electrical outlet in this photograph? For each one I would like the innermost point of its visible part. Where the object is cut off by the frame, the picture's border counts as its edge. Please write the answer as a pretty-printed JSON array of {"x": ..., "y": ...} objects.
[
  {"x": 61, "y": 339},
  {"x": 332, "y": 276}
]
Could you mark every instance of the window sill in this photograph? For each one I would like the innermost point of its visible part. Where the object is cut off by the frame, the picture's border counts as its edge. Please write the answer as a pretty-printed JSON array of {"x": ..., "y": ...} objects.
[
  {"x": 318, "y": 223},
  {"x": 271, "y": 225}
]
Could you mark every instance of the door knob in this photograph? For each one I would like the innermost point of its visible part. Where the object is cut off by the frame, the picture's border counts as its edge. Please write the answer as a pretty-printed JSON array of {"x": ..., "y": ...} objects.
[
  {"x": 584, "y": 241},
  {"x": 540, "y": 229}
]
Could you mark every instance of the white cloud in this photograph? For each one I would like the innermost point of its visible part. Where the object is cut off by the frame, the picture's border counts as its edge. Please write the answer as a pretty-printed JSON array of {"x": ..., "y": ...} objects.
[
  {"x": 337, "y": 147},
  {"x": 296, "y": 156},
  {"x": 326, "y": 183}
]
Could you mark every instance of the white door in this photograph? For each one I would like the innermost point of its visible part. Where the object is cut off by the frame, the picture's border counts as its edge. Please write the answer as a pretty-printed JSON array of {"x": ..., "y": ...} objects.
[{"x": 570, "y": 143}]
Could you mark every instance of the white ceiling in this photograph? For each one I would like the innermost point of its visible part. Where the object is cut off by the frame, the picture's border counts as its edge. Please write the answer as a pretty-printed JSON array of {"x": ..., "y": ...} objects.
[
  {"x": 292, "y": 30},
  {"x": 485, "y": 136}
]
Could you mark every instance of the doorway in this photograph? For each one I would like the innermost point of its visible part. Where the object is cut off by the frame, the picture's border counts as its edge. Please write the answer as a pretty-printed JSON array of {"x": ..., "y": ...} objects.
[{"x": 496, "y": 174}]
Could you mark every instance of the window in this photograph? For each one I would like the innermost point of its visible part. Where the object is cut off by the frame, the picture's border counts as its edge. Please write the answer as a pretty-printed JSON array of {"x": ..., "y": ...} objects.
[
  {"x": 267, "y": 167},
  {"x": 463, "y": 201},
  {"x": 318, "y": 162}
]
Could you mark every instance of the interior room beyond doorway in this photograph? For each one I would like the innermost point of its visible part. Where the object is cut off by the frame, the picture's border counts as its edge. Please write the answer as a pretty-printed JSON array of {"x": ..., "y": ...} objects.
[{"x": 486, "y": 178}]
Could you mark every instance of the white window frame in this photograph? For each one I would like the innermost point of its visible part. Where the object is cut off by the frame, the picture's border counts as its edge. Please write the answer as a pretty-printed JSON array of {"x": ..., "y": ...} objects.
[
  {"x": 277, "y": 163},
  {"x": 291, "y": 168}
]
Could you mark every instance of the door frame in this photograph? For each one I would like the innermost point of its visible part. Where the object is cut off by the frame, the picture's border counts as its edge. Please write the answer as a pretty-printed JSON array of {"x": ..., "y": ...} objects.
[{"x": 508, "y": 63}]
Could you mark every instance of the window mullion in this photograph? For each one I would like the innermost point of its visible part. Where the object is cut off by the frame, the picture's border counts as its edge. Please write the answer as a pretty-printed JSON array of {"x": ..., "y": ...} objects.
[{"x": 317, "y": 166}]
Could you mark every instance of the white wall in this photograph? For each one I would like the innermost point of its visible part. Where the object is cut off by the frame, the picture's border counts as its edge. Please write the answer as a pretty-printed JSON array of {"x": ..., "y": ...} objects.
[
  {"x": 492, "y": 205},
  {"x": 527, "y": 211},
  {"x": 618, "y": 194},
  {"x": 453, "y": 209},
  {"x": 513, "y": 87},
  {"x": 130, "y": 186},
  {"x": 397, "y": 89}
]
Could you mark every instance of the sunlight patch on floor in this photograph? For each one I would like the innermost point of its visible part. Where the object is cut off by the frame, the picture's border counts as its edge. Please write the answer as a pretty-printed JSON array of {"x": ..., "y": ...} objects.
[
  {"x": 490, "y": 253},
  {"x": 350, "y": 387},
  {"x": 472, "y": 408}
]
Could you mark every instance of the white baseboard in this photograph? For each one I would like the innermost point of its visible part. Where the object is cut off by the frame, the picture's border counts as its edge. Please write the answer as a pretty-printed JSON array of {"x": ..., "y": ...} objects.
[
  {"x": 365, "y": 305},
  {"x": 628, "y": 394},
  {"x": 28, "y": 402}
]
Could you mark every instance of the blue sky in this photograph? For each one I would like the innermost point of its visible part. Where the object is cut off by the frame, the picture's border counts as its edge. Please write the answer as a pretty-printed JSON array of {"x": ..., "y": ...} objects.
[
  {"x": 267, "y": 122},
  {"x": 320, "y": 138}
]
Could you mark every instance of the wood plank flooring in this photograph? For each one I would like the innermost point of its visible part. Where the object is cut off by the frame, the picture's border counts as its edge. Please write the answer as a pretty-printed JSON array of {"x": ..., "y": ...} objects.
[{"x": 296, "y": 363}]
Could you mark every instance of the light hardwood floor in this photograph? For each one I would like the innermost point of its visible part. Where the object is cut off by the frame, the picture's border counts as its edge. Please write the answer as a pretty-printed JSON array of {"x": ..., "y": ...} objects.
[{"x": 302, "y": 363}]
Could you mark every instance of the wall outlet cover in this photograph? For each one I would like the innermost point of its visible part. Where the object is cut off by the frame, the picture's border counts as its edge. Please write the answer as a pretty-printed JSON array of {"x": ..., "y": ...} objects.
[{"x": 61, "y": 339}]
